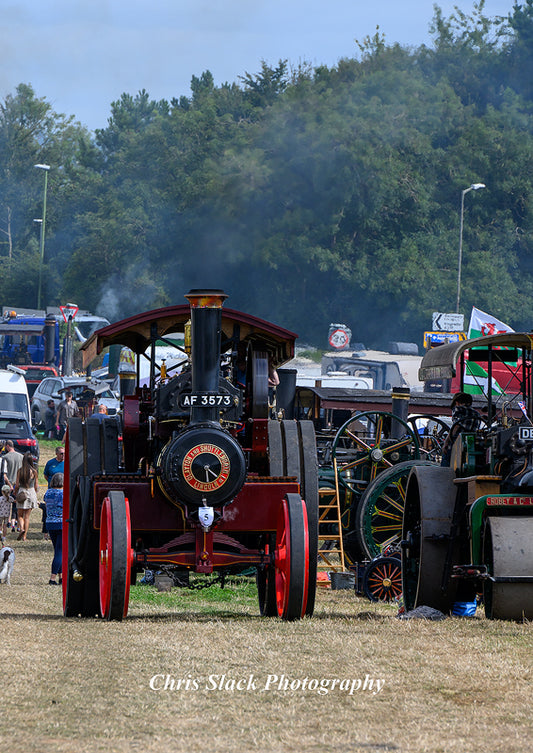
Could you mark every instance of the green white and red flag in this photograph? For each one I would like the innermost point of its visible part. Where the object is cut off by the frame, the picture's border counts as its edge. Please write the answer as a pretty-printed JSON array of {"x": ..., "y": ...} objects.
[
  {"x": 482, "y": 324},
  {"x": 476, "y": 378}
]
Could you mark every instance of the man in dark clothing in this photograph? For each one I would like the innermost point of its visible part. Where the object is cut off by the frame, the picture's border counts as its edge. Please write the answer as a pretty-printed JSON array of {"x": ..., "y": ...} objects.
[
  {"x": 50, "y": 426},
  {"x": 464, "y": 418}
]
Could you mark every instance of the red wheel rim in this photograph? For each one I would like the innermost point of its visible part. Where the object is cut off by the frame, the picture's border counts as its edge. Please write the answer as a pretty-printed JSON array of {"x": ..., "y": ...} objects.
[
  {"x": 291, "y": 559},
  {"x": 385, "y": 581},
  {"x": 115, "y": 557},
  {"x": 282, "y": 559},
  {"x": 106, "y": 557}
]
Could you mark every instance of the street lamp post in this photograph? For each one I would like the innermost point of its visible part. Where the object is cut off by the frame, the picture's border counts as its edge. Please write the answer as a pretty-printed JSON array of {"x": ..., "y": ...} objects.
[
  {"x": 46, "y": 168},
  {"x": 40, "y": 223},
  {"x": 473, "y": 187}
]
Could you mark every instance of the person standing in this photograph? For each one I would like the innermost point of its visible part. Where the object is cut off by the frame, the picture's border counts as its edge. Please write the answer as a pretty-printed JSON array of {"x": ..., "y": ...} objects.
[
  {"x": 67, "y": 408},
  {"x": 53, "y": 498},
  {"x": 11, "y": 462},
  {"x": 9, "y": 465},
  {"x": 55, "y": 465},
  {"x": 50, "y": 431},
  {"x": 100, "y": 412},
  {"x": 26, "y": 488}
]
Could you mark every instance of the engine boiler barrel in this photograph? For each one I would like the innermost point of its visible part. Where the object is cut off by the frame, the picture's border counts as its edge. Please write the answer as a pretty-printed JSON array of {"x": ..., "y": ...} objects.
[{"x": 206, "y": 327}]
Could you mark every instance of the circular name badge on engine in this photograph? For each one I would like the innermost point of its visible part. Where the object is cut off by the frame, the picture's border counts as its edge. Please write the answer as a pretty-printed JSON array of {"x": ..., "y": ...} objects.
[
  {"x": 206, "y": 467},
  {"x": 203, "y": 465}
]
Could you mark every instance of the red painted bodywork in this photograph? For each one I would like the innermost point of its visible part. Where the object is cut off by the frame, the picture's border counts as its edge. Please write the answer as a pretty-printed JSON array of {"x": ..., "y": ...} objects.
[{"x": 254, "y": 510}]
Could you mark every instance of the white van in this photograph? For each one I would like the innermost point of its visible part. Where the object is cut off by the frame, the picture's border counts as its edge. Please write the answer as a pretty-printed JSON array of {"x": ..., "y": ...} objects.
[{"x": 14, "y": 391}]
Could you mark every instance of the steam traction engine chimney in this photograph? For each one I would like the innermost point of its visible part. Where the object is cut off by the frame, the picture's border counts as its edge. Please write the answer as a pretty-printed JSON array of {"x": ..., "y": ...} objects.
[{"x": 206, "y": 327}]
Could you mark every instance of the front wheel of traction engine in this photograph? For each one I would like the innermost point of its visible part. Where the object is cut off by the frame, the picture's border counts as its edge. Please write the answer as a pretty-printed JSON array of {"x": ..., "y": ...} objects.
[
  {"x": 292, "y": 452},
  {"x": 291, "y": 558},
  {"x": 116, "y": 556}
]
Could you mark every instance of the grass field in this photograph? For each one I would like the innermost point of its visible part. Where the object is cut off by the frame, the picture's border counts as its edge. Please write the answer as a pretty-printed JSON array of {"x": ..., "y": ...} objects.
[{"x": 201, "y": 670}]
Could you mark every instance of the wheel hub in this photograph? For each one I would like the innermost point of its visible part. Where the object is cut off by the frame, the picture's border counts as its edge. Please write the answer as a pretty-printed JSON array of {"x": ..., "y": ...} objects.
[{"x": 376, "y": 455}]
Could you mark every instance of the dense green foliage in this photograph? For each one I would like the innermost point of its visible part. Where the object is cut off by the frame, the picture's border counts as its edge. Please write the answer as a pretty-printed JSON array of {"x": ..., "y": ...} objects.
[{"x": 312, "y": 195}]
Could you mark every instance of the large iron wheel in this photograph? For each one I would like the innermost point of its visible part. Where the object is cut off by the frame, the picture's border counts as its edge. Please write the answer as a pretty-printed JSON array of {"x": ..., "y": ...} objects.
[
  {"x": 508, "y": 554},
  {"x": 369, "y": 443},
  {"x": 291, "y": 558},
  {"x": 116, "y": 556},
  {"x": 431, "y": 432},
  {"x": 257, "y": 384},
  {"x": 429, "y": 505},
  {"x": 292, "y": 452},
  {"x": 380, "y": 509},
  {"x": 80, "y": 540},
  {"x": 383, "y": 579}
]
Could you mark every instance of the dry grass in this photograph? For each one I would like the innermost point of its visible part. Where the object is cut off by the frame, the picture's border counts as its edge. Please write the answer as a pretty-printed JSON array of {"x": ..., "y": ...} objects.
[{"x": 455, "y": 686}]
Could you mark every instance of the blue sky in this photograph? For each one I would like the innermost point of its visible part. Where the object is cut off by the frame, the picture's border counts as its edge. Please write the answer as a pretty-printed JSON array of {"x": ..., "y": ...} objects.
[{"x": 83, "y": 54}]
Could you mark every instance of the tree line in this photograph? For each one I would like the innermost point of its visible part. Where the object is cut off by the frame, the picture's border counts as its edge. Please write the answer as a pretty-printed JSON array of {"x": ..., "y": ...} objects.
[{"x": 309, "y": 194}]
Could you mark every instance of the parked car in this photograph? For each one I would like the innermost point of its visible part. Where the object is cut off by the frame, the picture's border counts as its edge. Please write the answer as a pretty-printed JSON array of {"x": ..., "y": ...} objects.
[
  {"x": 84, "y": 391},
  {"x": 14, "y": 391},
  {"x": 15, "y": 426},
  {"x": 35, "y": 373}
]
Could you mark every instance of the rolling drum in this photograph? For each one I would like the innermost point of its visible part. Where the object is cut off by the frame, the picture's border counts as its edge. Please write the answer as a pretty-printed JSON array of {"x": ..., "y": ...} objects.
[
  {"x": 508, "y": 553},
  {"x": 429, "y": 505}
]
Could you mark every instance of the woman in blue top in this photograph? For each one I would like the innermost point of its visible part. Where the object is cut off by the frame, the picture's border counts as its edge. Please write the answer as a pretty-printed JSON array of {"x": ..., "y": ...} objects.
[{"x": 54, "y": 523}]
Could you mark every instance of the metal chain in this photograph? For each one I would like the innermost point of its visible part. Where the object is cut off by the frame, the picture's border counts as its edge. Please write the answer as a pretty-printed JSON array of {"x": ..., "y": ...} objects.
[{"x": 219, "y": 578}]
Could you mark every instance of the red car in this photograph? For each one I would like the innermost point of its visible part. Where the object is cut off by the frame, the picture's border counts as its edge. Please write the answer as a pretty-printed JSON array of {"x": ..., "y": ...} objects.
[{"x": 35, "y": 373}]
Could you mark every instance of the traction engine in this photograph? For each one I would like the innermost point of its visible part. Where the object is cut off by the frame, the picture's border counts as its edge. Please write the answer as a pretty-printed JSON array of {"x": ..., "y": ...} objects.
[
  {"x": 201, "y": 474},
  {"x": 468, "y": 528}
]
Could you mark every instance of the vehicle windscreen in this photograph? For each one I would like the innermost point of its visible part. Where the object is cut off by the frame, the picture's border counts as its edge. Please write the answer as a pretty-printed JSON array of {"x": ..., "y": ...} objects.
[
  {"x": 37, "y": 374},
  {"x": 79, "y": 390},
  {"x": 13, "y": 401},
  {"x": 13, "y": 427}
]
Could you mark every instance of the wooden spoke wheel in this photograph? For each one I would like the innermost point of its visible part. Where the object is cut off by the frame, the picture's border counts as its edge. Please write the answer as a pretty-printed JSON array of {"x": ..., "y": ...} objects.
[
  {"x": 383, "y": 579},
  {"x": 431, "y": 432},
  {"x": 291, "y": 558},
  {"x": 508, "y": 555},
  {"x": 380, "y": 510},
  {"x": 116, "y": 556},
  {"x": 369, "y": 443}
]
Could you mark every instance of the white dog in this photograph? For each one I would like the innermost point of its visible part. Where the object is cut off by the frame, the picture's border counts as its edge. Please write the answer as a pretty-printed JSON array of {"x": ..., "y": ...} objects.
[{"x": 7, "y": 561}]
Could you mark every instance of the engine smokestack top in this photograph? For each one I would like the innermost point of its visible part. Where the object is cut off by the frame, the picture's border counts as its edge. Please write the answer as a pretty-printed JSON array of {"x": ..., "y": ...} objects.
[{"x": 206, "y": 327}]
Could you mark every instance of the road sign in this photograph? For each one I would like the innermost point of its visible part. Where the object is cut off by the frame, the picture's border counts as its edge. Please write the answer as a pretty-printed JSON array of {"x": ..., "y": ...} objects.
[
  {"x": 431, "y": 339},
  {"x": 448, "y": 322},
  {"x": 69, "y": 311},
  {"x": 339, "y": 336}
]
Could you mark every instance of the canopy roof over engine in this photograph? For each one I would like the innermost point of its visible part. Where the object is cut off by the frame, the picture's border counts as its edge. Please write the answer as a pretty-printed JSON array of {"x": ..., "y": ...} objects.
[
  {"x": 441, "y": 362},
  {"x": 137, "y": 332}
]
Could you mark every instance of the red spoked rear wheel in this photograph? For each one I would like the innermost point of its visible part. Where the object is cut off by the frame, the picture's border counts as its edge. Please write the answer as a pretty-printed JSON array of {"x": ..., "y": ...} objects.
[
  {"x": 383, "y": 579},
  {"x": 291, "y": 558},
  {"x": 116, "y": 556}
]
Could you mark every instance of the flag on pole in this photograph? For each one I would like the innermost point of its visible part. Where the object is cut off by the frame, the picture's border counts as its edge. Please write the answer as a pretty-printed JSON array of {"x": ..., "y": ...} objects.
[
  {"x": 476, "y": 380},
  {"x": 482, "y": 324}
]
